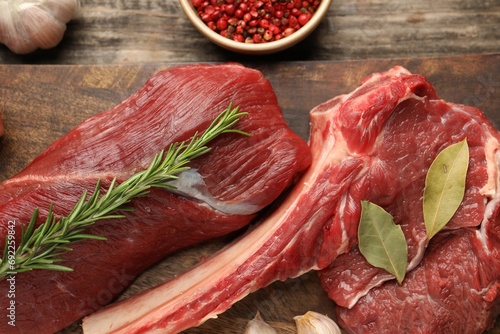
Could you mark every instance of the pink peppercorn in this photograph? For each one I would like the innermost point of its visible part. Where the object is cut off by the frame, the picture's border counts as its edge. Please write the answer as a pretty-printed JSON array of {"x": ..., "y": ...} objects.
[
  {"x": 257, "y": 38},
  {"x": 238, "y": 38},
  {"x": 255, "y": 21},
  {"x": 268, "y": 35},
  {"x": 197, "y": 3},
  {"x": 295, "y": 12},
  {"x": 222, "y": 24},
  {"x": 264, "y": 24},
  {"x": 230, "y": 9},
  {"x": 238, "y": 13},
  {"x": 303, "y": 19}
]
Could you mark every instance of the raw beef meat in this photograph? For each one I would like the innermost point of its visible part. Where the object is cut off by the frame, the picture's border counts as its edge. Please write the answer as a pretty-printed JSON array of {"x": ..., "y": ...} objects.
[
  {"x": 455, "y": 287},
  {"x": 454, "y": 290},
  {"x": 375, "y": 143},
  {"x": 237, "y": 179}
]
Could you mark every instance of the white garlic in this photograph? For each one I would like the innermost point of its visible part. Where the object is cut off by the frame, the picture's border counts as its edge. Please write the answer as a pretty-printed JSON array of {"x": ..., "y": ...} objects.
[
  {"x": 258, "y": 326},
  {"x": 26, "y": 25},
  {"x": 315, "y": 323}
]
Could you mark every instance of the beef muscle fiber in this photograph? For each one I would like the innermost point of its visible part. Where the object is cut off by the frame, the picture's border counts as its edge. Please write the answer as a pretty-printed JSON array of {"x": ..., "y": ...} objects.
[
  {"x": 222, "y": 192},
  {"x": 376, "y": 144}
]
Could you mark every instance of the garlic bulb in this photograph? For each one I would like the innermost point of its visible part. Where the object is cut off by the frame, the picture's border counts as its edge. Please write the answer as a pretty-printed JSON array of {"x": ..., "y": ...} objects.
[
  {"x": 315, "y": 323},
  {"x": 258, "y": 326},
  {"x": 26, "y": 25}
]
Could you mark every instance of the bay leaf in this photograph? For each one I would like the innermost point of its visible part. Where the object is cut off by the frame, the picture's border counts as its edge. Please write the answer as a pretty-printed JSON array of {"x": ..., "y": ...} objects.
[
  {"x": 445, "y": 186},
  {"x": 381, "y": 241}
]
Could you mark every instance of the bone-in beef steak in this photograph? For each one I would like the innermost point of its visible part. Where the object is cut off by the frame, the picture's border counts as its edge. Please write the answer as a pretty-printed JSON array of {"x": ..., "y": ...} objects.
[
  {"x": 454, "y": 286},
  {"x": 239, "y": 177},
  {"x": 375, "y": 144}
]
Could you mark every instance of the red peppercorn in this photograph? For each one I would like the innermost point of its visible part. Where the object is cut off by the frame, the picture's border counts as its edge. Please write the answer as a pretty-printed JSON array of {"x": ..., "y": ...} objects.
[
  {"x": 295, "y": 12},
  {"x": 209, "y": 9},
  {"x": 222, "y": 24},
  {"x": 230, "y": 9},
  {"x": 288, "y": 32},
  {"x": 238, "y": 13},
  {"x": 206, "y": 17},
  {"x": 257, "y": 38},
  {"x": 211, "y": 25},
  {"x": 270, "y": 9},
  {"x": 238, "y": 38},
  {"x": 216, "y": 15},
  {"x": 243, "y": 6},
  {"x": 255, "y": 21},
  {"x": 233, "y": 21},
  {"x": 268, "y": 35},
  {"x": 303, "y": 19}
]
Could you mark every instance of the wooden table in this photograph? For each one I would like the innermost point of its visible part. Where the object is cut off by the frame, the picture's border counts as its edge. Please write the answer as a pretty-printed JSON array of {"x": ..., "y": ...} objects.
[{"x": 157, "y": 31}]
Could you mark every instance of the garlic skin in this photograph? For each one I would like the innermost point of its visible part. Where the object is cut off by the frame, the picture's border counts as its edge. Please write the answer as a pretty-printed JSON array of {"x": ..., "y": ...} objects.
[
  {"x": 26, "y": 25},
  {"x": 258, "y": 326},
  {"x": 315, "y": 323}
]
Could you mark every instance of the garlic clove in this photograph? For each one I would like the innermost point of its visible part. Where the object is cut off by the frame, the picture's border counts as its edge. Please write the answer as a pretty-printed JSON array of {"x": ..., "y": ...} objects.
[
  {"x": 26, "y": 25},
  {"x": 258, "y": 326},
  {"x": 315, "y": 323}
]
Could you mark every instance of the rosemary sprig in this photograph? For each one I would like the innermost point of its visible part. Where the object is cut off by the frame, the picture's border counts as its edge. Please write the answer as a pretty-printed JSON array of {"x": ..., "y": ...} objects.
[{"x": 42, "y": 247}]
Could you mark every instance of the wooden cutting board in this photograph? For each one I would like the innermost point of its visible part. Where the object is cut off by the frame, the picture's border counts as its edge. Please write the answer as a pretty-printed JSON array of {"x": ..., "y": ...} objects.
[{"x": 41, "y": 103}]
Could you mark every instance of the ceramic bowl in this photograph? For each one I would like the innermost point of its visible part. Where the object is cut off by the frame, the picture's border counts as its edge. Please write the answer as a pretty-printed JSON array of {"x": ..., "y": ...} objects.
[{"x": 256, "y": 48}]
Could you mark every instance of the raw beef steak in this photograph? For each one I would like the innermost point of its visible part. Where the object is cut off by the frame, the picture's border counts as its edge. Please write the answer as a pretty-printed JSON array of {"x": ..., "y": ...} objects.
[
  {"x": 375, "y": 144},
  {"x": 454, "y": 286},
  {"x": 454, "y": 289},
  {"x": 222, "y": 192}
]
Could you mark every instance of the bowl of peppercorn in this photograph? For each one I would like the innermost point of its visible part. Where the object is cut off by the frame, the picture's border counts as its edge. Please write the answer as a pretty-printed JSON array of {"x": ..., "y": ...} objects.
[{"x": 255, "y": 26}]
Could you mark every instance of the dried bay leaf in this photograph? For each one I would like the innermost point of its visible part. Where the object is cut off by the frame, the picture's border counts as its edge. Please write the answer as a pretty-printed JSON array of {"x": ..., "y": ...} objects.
[
  {"x": 381, "y": 241},
  {"x": 445, "y": 186}
]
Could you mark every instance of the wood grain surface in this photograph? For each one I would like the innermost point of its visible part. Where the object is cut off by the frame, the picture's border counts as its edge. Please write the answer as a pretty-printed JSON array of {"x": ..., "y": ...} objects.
[
  {"x": 157, "y": 31},
  {"x": 41, "y": 103}
]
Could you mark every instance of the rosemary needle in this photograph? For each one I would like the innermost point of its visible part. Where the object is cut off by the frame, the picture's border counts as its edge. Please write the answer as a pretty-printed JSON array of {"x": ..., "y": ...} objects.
[{"x": 42, "y": 247}]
